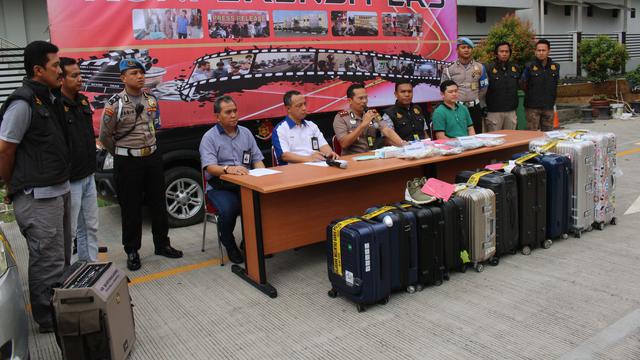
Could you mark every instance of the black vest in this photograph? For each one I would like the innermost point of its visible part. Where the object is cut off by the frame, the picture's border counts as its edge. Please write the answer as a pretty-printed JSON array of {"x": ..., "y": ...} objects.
[
  {"x": 79, "y": 117},
  {"x": 407, "y": 123},
  {"x": 542, "y": 85},
  {"x": 502, "y": 94},
  {"x": 42, "y": 157}
]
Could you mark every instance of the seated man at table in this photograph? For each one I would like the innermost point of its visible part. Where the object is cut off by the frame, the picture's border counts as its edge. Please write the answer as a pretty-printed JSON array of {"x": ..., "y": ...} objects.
[
  {"x": 451, "y": 119},
  {"x": 356, "y": 129},
  {"x": 227, "y": 149},
  {"x": 297, "y": 140},
  {"x": 405, "y": 118}
]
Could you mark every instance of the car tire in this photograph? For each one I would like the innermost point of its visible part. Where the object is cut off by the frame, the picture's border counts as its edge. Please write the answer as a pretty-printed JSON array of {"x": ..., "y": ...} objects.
[{"x": 184, "y": 196}]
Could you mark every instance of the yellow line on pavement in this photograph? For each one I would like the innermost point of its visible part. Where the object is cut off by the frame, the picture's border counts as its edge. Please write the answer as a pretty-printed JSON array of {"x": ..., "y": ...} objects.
[
  {"x": 174, "y": 271},
  {"x": 628, "y": 152}
]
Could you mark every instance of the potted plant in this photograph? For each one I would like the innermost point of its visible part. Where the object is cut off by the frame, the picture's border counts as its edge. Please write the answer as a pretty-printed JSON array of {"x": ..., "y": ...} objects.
[
  {"x": 602, "y": 57},
  {"x": 599, "y": 103}
]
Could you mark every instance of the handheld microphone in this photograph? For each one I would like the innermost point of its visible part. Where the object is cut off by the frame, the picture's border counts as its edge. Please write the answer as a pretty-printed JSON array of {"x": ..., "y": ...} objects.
[
  {"x": 338, "y": 164},
  {"x": 376, "y": 119}
]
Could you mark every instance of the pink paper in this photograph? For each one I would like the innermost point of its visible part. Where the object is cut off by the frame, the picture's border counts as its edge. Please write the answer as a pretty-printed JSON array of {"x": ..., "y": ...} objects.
[
  {"x": 441, "y": 141},
  {"x": 438, "y": 188},
  {"x": 495, "y": 167}
]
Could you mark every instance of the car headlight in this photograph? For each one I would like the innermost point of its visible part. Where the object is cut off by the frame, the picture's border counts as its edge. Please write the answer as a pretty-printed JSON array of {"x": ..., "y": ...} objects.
[
  {"x": 4, "y": 253},
  {"x": 108, "y": 162}
]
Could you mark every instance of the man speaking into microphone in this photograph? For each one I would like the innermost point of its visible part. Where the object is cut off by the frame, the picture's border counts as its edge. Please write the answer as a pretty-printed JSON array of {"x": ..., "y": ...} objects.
[{"x": 358, "y": 128}]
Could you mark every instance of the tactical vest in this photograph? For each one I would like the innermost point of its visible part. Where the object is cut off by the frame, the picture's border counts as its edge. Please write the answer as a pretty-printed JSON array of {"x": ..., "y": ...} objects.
[
  {"x": 42, "y": 157},
  {"x": 542, "y": 85},
  {"x": 502, "y": 94},
  {"x": 79, "y": 116},
  {"x": 407, "y": 123}
]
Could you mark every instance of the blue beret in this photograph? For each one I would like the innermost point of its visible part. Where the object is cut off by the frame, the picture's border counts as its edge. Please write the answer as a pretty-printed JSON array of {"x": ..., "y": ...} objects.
[
  {"x": 465, "y": 41},
  {"x": 126, "y": 64}
]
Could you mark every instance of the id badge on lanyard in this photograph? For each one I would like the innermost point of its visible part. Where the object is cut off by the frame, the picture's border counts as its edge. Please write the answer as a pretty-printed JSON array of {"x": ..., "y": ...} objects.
[
  {"x": 246, "y": 158},
  {"x": 370, "y": 141},
  {"x": 315, "y": 145}
]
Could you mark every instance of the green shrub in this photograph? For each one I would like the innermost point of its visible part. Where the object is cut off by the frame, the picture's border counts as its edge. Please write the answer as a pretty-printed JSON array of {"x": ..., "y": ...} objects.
[
  {"x": 602, "y": 57},
  {"x": 515, "y": 31}
]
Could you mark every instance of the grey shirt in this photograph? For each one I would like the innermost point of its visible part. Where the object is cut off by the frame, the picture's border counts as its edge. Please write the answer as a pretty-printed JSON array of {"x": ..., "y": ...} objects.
[
  {"x": 15, "y": 123},
  {"x": 218, "y": 148}
]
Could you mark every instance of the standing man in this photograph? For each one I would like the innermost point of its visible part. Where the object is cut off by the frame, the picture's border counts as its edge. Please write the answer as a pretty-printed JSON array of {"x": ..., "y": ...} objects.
[
  {"x": 182, "y": 24},
  {"x": 227, "y": 149},
  {"x": 451, "y": 119},
  {"x": 357, "y": 127},
  {"x": 128, "y": 132},
  {"x": 84, "y": 197},
  {"x": 502, "y": 94},
  {"x": 540, "y": 81},
  {"x": 297, "y": 140},
  {"x": 35, "y": 166},
  {"x": 471, "y": 77},
  {"x": 405, "y": 118}
]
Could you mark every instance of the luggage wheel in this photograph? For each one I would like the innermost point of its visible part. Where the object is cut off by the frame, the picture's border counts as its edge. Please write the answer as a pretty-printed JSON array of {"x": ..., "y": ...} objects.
[
  {"x": 463, "y": 268},
  {"x": 526, "y": 250},
  {"x": 411, "y": 289},
  {"x": 547, "y": 244},
  {"x": 384, "y": 301},
  {"x": 419, "y": 287},
  {"x": 446, "y": 276},
  {"x": 479, "y": 267},
  {"x": 601, "y": 226},
  {"x": 494, "y": 261},
  {"x": 613, "y": 221},
  {"x": 578, "y": 234},
  {"x": 439, "y": 283},
  {"x": 565, "y": 236},
  {"x": 333, "y": 293},
  {"x": 360, "y": 308}
]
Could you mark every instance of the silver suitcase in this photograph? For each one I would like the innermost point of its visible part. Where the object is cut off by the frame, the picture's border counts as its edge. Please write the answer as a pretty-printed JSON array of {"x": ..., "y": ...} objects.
[
  {"x": 604, "y": 196},
  {"x": 479, "y": 225}
]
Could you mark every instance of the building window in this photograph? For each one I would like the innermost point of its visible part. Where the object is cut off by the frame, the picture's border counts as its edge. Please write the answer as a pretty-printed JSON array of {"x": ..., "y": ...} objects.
[
  {"x": 481, "y": 14},
  {"x": 632, "y": 13},
  {"x": 615, "y": 13},
  {"x": 590, "y": 11},
  {"x": 567, "y": 10},
  {"x": 546, "y": 8}
]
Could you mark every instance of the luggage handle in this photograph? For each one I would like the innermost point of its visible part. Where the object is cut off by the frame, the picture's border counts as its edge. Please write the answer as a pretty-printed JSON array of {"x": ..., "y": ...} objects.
[{"x": 77, "y": 300}]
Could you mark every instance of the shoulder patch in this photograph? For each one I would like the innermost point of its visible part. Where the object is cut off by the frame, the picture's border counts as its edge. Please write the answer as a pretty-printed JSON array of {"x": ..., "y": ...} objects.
[
  {"x": 114, "y": 99},
  {"x": 343, "y": 113}
]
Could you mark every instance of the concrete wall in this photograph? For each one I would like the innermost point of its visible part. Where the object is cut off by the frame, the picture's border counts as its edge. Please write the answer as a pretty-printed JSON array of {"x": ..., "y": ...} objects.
[
  {"x": 23, "y": 21},
  {"x": 467, "y": 24}
]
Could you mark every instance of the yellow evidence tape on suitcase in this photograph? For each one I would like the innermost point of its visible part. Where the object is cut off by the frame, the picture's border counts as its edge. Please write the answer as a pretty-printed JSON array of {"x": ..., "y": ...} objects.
[
  {"x": 523, "y": 159},
  {"x": 335, "y": 237},
  {"x": 548, "y": 146},
  {"x": 380, "y": 211},
  {"x": 475, "y": 178},
  {"x": 574, "y": 134}
]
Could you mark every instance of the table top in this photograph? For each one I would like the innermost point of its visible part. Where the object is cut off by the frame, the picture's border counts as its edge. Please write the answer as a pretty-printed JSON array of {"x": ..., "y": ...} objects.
[{"x": 300, "y": 175}]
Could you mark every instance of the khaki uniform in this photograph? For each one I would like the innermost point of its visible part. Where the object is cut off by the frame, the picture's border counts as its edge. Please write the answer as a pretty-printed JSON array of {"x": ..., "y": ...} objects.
[
  {"x": 472, "y": 87},
  {"x": 346, "y": 122}
]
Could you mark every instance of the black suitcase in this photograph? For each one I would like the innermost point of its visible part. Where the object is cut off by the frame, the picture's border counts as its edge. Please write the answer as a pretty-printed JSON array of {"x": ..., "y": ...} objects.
[
  {"x": 506, "y": 190},
  {"x": 532, "y": 200},
  {"x": 430, "y": 230},
  {"x": 454, "y": 236}
]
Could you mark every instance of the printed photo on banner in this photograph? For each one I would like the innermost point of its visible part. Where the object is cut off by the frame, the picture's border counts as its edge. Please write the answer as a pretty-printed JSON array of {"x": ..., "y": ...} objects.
[
  {"x": 354, "y": 23},
  {"x": 426, "y": 69},
  {"x": 394, "y": 24},
  {"x": 394, "y": 66},
  {"x": 166, "y": 24},
  {"x": 284, "y": 62},
  {"x": 289, "y": 23},
  {"x": 220, "y": 67},
  {"x": 344, "y": 62},
  {"x": 236, "y": 24}
]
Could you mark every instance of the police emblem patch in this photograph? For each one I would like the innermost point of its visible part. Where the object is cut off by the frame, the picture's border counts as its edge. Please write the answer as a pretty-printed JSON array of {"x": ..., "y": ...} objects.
[
  {"x": 152, "y": 102},
  {"x": 534, "y": 68},
  {"x": 84, "y": 102},
  {"x": 108, "y": 114},
  {"x": 495, "y": 71},
  {"x": 37, "y": 100},
  {"x": 513, "y": 68},
  {"x": 553, "y": 67},
  {"x": 66, "y": 108},
  {"x": 399, "y": 116},
  {"x": 416, "y": 111}
]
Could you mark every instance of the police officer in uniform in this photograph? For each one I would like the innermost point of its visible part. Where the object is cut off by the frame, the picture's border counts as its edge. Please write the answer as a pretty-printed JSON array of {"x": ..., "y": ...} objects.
[
  {"x": 540, "y": 81},
  {"x": 127, "y": 131},
  {"x": 471, "y": 77},
  {"x": 406, "y": 118},
  {"x": 502, "y": 94},
  {"x": 357, "y": 128}
]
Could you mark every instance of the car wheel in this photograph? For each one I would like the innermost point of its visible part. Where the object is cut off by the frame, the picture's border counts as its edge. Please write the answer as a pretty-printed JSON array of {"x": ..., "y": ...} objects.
[{"x": 184, "y": 196}]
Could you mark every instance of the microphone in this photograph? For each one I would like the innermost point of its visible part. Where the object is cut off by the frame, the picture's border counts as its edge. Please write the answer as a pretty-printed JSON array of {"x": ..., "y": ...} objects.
[
  {"x": 376, "y": 119},
  {"x": 139, "y": 109},
  {"x": 338, "y": 164}
]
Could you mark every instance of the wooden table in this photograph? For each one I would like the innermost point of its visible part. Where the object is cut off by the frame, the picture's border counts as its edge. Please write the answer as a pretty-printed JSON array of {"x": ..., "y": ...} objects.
[{"x": 292, "y": 209}]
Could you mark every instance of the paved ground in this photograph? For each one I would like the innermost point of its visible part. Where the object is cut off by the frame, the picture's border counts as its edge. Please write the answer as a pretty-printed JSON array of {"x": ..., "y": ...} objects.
[{"x": 578, "y": 300}]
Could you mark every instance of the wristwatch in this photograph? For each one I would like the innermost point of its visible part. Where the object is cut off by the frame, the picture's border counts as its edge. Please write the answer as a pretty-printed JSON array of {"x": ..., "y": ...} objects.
[{"x": 225, "y": 169}]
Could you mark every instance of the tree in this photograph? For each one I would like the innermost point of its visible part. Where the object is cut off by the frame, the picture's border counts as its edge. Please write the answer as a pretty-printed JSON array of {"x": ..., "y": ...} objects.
[
  {"x": 513, "y": 30},
  {"x": 602, "y": 57}
]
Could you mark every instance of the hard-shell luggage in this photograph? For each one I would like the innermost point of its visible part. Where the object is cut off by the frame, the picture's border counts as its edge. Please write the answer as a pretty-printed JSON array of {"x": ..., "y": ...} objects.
[
  {"x": 430, "y": 231},
  {"x": 403, "y": 243},
  {"x": 506, "y": 197},
  {"x": 604, "y": 196},
  {"x": 358, "y": 261},
  {"x": 479, "y": 225},
  {"x": 532, "y": 206},
  {"x": 455, "y": 241},
  {"x": 558, "y": 169}
]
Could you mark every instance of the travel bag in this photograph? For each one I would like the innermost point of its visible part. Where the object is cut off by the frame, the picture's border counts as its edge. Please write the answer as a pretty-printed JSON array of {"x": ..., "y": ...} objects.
[
  {"x": 479, "y": 226},
  {"x": 454, "y": 237},
  {"x": 532, "y": 206}
]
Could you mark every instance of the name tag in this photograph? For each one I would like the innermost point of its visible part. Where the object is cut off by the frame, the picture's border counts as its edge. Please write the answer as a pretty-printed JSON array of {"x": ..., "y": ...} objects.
[
  {"x": 246, "y": 158},
  {"x": 466, "y": 140},
  {"x": 314, "y": 144}
]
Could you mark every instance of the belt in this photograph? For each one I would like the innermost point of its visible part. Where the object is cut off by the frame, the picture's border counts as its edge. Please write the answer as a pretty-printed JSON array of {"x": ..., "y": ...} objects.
[
  {"x": 142, "y": 152},
  {"x": 470, "y": 103}
]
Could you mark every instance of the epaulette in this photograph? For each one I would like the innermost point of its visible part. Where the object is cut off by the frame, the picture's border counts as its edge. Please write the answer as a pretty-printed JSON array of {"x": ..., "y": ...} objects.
[
  {"x": 114, "y": 99},
  {"x": 343, "y": 113}
]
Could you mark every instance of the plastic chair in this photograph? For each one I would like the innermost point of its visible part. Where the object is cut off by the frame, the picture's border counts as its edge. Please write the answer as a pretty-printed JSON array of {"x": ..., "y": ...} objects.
[
  {"x": 337, "y": 148},
  {"x": 210, "y": 215},
  {"x": 274, "y": 158}
]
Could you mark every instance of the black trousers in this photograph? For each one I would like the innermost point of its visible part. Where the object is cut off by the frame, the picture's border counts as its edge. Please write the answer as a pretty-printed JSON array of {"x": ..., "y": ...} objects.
[
  {"x": 140, "y": 179},
  {"x": 476, "y": 115}
]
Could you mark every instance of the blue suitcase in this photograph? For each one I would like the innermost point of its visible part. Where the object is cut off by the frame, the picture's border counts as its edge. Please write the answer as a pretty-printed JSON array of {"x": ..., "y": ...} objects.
[
  {"x": 358, "y": 261},
  {"x": 558, "y": 169},
  {"x": 403, "y": 243}
]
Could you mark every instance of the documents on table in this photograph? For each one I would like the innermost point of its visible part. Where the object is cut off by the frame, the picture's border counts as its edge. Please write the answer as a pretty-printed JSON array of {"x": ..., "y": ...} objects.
[
  {"x": 490, "y": 136},
  {"x": 263, "y": 172},
  {"x": 317, "y": 163}
]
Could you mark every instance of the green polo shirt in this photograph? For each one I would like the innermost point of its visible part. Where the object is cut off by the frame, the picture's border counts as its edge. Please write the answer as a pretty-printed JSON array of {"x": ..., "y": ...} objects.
[{"x": 454, "y": 122}]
